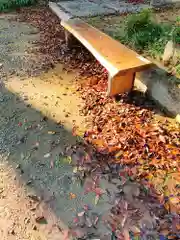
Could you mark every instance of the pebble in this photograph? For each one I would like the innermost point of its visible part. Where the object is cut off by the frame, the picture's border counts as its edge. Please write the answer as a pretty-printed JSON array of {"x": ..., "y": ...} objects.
[{"x": 47, "y": 155}]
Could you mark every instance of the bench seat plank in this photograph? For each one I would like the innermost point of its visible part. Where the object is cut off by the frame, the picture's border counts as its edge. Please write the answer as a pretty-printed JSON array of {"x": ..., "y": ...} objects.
[
  {"x": 113, "y": 55},
  {"x": 121, "y": 62}
]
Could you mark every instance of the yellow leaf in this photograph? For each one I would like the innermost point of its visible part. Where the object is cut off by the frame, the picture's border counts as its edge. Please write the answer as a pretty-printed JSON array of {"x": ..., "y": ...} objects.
[
  {"x": 72, "y": 196},
  {"x": 51, "y": 132}
]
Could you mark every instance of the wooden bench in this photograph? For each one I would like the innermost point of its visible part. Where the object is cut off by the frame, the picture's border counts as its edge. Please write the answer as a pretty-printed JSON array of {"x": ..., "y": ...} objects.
[{"x": 120, "y": 62}]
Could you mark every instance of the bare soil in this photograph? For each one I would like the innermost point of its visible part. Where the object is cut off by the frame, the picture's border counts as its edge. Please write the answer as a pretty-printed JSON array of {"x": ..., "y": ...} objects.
[{"x": 36, "y": 120}]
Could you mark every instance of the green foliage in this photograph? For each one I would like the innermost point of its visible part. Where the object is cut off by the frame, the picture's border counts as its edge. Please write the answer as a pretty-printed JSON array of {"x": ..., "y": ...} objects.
[
  {"x": 142, "y": 32},
  {"x": 178, "y": 69},
  {"x": 156, "y": 49},
  {"x": 176, "y": 33},
  {"x": 6, "y": 5},
  {"x": 141, "y": 22}
]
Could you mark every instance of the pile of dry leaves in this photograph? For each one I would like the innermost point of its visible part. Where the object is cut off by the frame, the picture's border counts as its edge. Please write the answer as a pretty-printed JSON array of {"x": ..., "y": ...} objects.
[{"x": 123, "y": 142}]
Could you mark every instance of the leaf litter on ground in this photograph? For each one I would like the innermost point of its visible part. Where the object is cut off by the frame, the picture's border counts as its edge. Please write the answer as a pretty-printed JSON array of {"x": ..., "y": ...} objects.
[{"x": 123, "y": 144}]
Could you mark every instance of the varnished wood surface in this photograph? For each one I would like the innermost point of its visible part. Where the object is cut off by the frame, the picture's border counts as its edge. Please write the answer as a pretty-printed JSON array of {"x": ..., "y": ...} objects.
[{"x": 113, "y": 55}]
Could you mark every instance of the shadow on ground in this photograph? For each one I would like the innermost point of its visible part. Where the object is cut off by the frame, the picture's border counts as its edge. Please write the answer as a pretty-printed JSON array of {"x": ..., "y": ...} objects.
[{"x": 34, "y": 146}]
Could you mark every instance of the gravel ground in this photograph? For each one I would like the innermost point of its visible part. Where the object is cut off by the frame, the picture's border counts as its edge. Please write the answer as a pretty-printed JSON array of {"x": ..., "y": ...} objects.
[{"x": 32, "y": 109}]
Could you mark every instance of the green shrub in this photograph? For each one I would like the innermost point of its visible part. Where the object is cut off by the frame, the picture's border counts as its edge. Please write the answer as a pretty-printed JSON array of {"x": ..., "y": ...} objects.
[
  {"x": 178, "y": 69},
  {"x": 142, "y": 32},
  {"x": 6, "y": 5},
  {"x": 176, "y": 33}
]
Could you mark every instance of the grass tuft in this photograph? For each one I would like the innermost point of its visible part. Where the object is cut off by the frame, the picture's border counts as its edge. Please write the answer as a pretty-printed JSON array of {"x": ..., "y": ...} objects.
[
  {"x": 7, "y": 5},
  {"x": 143, "y": 34}
]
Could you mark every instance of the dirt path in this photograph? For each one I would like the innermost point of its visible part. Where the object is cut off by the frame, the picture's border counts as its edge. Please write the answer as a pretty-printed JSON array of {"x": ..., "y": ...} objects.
[
  {"x": 38, "y": 196},
  {"x": 37, "y": 115}
]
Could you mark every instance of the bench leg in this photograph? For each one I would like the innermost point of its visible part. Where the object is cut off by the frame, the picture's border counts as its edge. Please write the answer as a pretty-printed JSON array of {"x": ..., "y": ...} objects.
[
  {"x": 70, "y": 39},
  {"x": 120, "y": 83}
]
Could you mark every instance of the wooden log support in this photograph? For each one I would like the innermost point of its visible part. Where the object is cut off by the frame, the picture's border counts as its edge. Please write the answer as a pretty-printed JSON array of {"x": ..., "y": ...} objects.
[{"x": 121, "y": 82}]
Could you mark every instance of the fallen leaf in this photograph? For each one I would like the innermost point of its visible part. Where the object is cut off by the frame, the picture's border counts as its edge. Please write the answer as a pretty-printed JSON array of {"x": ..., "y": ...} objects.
[
  {"x": 72, "y": 196},
  {"x": 96, "y": 200}
]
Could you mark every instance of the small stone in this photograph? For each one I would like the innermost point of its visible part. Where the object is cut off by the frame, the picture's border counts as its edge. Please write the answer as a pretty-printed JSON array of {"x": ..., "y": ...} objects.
[
  {"x": 178, "y": 118},
  {"x": 168, "y": 52},
  {"x": 47, "y": 155}
]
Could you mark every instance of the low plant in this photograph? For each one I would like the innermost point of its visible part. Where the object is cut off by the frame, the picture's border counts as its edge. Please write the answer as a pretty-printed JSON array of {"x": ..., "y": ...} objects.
[
  {"x": 6, "y": 5},
  {"x": 142, "y": 33},
  {"x": 176, "y": 33},
  {"x": 178, "y": 69}
]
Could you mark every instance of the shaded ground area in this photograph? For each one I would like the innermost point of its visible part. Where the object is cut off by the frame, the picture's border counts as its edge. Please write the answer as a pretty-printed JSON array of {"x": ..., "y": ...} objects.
[
  {"x": 50, "y": 177},
  {"x": 15, "y": 39}
]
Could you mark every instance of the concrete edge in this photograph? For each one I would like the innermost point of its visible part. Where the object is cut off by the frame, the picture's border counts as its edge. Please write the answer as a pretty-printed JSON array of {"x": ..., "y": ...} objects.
[
  {"x": 169, "y": 102},
  {"x": 60, "y": 13}
]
